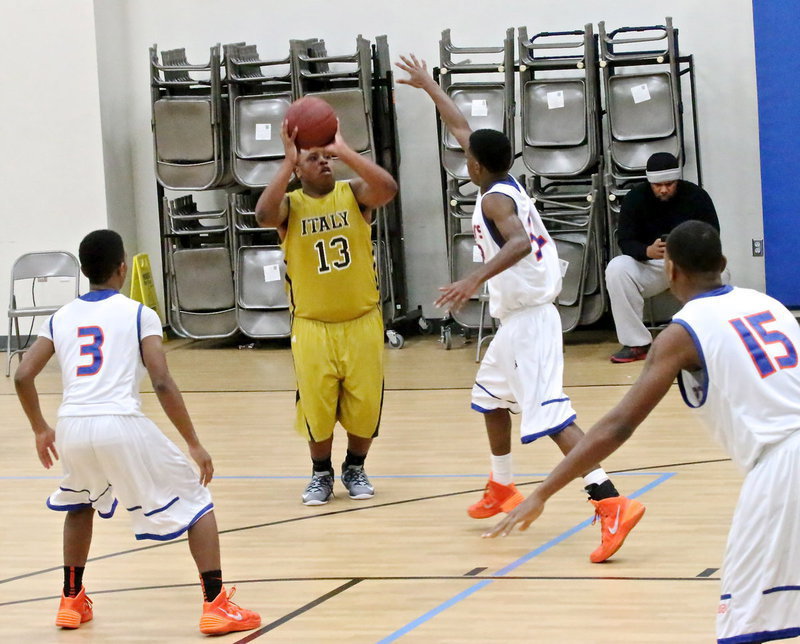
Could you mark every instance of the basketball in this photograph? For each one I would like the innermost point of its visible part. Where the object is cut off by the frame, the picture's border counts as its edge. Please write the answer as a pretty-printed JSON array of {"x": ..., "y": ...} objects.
[{"x": 315, "y": 121}]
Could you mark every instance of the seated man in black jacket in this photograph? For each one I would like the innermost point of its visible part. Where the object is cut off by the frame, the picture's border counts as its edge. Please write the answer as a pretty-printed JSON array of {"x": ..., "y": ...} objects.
[{"x": 649, "y": 212}]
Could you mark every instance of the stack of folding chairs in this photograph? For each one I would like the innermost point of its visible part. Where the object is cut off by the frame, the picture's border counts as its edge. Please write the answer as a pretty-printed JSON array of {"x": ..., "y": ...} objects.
[
  {"x": 483, "y": 90},
  {"x": 560, "y": 114},
  {"x": 579, "y": 158},
  {"x": 644, "y": 115},
  {"x": 198, "y": 269},
  {"x": 217, "y": 127}
]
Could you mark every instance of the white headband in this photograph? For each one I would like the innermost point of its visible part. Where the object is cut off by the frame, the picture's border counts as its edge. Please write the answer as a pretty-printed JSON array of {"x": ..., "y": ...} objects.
[{"x": 662, "y": 176}]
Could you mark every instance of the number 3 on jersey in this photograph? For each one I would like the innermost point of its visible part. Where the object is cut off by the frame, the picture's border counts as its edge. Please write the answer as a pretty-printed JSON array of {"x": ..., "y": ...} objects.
[
  {"x": 757, "y": 349},
  {"x": 92, "y": 348},
  {"x": 337, "y": 246}
]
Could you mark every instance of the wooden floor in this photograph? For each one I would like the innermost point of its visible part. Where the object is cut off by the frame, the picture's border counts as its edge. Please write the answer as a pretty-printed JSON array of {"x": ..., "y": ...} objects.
[{"x": 407, "y": 565}]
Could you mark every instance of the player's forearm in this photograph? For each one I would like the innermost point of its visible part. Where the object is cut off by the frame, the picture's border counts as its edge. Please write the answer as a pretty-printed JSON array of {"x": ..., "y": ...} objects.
[
  {"x": 599, "y": 443},
  {"x": 268, "y": 207},
  {"x": 512, "y": 252},
  {"x": 382, "y": 186},
  {"x": 29, "y": 399},
  {"x": 171, "y": 400},
  {"x": 448, "y": 111}
]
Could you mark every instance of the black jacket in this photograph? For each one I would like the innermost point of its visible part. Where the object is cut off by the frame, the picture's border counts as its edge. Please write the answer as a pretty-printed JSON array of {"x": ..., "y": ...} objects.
[{"x": 644, "y": 218}]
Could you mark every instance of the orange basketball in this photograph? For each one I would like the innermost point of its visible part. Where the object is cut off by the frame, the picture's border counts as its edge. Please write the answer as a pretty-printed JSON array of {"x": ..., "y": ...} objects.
[{"x": 315, "y": 121}]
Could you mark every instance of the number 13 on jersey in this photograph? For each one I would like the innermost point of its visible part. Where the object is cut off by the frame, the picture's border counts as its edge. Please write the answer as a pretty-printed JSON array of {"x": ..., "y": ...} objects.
[{"x": 337, "y": 255}]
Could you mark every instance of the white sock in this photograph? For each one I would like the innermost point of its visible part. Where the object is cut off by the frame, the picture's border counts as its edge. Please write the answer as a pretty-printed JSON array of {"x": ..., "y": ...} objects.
[
  {"x": 595, "y": 477},
  {"x": 502, "y": 471}
]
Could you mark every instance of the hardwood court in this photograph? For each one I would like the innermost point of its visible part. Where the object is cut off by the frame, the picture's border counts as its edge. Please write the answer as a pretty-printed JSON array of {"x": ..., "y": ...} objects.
[{"x": 409, "y": 564}]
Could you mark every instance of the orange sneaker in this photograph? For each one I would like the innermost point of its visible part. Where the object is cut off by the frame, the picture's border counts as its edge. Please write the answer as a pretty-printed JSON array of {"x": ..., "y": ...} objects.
[
  {"x": 74, "y": 611},
  {"x": 496, "y": 498},
  {"x": 617, "y": 515},
  {"x": 223, "y": 616}
]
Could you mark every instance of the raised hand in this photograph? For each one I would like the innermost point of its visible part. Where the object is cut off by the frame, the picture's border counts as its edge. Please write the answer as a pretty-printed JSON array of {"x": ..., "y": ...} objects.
[
  {"x": 289, "y": 145},
  {"x": 418, "y": 75},
  {"x": 335, "y": 147}
]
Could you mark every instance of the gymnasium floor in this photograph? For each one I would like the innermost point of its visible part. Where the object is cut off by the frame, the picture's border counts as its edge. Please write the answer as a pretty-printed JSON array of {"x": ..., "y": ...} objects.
[{"x": 408, "y": 565}]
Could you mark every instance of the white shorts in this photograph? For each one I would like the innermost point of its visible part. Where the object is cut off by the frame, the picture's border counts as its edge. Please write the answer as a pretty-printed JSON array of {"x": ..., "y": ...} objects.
[
  {"x": 126, "y": 459},
  {"x": 761, "y": 575},
  {"x": 523, "y": 371}
]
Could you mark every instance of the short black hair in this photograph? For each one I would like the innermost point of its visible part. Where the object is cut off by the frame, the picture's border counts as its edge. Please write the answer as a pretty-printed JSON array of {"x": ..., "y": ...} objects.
[
  {"x": 491, "y": 149},
  {"x": 101, "y": 252},
  {"x": 695, "y": 247}
]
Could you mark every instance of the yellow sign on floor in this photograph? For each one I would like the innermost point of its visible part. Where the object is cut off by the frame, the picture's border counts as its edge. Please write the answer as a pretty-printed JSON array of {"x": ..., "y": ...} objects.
[{"x": 143, "y": 289}]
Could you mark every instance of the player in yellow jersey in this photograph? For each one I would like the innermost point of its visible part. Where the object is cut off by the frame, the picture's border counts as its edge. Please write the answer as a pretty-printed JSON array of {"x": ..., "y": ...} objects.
[{"x": 337, "y": 326}]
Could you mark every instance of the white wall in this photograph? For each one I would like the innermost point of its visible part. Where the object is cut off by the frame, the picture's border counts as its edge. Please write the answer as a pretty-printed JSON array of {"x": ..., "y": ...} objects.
[
  {"x": 717, "y": 32},
  {"x": 51, "y": 166}
]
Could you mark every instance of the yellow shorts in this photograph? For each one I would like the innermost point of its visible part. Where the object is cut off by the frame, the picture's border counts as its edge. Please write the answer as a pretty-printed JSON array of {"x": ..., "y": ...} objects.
[{"x": 339, "y": 371}]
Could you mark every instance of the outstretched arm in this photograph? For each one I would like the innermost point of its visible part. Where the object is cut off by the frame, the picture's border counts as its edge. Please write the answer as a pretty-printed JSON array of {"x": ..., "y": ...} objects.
[
  {"x": 272, "y": 208},
  {"x": 672, "y": 351},
  {"x": 33, "y": 361},
  {"x": 172, "y": 402},
  {"x": 418, "y": 76},
  {"x": 501, "y": 210}
]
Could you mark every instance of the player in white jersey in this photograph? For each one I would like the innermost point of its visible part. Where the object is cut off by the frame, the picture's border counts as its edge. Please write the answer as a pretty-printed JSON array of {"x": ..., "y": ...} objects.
[
  {"x": 522, "y": 371},
  {"x": 736, "y": 354},
  {"x": 112, "y": 455}
]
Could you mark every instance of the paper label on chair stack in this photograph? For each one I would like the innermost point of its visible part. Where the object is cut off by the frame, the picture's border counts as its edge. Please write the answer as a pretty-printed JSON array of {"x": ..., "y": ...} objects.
[
  {"x": 640, "y": 93},
  {"x": 555, "y": 100},
  {"x": 263, "y": 131},
  {"x": 480, "y": 107},
  {"x": 272, "y": 273},
  {"x": 564, "y": 264}
]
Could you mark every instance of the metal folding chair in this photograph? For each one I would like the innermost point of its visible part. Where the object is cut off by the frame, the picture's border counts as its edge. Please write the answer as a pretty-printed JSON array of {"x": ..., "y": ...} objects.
[{"x": 34, "y": 266}]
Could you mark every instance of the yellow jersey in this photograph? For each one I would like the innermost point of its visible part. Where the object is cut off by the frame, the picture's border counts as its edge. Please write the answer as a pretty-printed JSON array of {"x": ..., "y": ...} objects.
[{"x": 330, "y": 269}]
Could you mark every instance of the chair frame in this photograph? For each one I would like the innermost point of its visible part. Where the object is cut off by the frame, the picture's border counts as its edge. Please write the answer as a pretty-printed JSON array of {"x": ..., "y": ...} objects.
[{"x": 63, "y": 264}]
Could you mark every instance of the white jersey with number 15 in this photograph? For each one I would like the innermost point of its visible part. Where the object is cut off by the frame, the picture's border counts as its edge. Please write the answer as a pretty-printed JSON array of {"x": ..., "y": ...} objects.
[{"x": 749, "y": 387}]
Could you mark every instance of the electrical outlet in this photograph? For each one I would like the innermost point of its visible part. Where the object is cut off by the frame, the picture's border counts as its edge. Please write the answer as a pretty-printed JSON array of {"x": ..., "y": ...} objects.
[{"x": 758, "y": 247}]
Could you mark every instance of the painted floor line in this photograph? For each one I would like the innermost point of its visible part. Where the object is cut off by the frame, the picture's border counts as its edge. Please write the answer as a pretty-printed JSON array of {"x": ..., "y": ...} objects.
[
  {"x": 512, "y": 566},
  {"x": 305, "y": 476}
]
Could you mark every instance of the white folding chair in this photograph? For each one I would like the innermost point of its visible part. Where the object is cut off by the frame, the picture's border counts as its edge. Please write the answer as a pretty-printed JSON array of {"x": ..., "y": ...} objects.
[{"x": 33, "y": 266}]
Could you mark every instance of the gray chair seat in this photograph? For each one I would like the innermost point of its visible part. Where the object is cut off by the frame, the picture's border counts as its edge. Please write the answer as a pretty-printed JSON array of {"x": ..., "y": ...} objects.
[
  {"x": 27, "y": 269},
  {"x": 260, "y": 278}
]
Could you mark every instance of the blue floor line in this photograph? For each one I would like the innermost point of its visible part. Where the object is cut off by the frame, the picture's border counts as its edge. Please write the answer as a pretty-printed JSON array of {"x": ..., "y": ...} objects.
[{"x": 512, "y": 566}]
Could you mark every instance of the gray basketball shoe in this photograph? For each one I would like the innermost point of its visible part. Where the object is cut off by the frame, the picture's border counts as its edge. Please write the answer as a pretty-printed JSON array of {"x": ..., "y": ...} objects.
[
  {"x": 355, "y": 480},
  {"x": 319, "y": 490}
]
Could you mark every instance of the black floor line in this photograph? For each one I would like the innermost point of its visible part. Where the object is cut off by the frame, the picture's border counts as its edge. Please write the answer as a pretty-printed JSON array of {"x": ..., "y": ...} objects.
[
  {"x": 292, "y": 390},
  {"x": 299, "y": 611},
  {"x": 362, "y": 508},
  {"x": 409, "y": 578},
  {"x": 474, "y": 572},
  {"x": 708, "y": 572}
]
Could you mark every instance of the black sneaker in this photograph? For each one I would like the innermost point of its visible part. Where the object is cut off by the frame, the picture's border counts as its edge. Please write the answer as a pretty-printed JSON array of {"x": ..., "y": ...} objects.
[{"x": 630, "y": 354}]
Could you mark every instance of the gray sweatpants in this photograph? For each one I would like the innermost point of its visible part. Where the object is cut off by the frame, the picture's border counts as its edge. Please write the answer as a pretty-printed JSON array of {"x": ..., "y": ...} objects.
[{"x": 629, "y": 282}]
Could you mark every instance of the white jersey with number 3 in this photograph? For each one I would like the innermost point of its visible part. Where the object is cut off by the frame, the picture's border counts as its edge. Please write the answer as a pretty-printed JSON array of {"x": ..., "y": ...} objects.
[
  {"x": 97, "y": 341},
  {"x": 536, "y": 278},
  {"x": 749, "y": 387}
]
